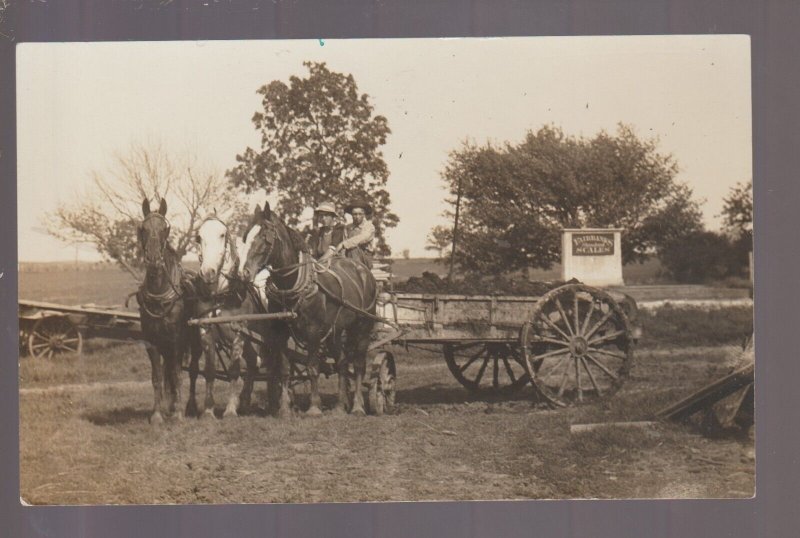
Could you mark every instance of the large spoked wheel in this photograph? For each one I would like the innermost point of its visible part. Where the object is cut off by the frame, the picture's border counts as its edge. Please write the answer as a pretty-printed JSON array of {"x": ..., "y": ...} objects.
[
  {"x": 54, "y": 335},
  {"x": 578, "y": 345},
  {"x": 382, "y": 384},
  {"x": 487, "y": 368}
]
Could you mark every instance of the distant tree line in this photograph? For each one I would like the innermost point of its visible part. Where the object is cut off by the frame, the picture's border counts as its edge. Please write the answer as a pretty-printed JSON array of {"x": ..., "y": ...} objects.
[
  {"x": 704, "y": 255},
  {"x": 320, "y": 140},
  {"x": 515, "y": 199}
]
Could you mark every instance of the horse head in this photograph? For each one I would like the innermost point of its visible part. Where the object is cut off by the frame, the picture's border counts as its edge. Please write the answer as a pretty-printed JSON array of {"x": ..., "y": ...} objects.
[
  {"x": 154, "y": 233},
  {"x": 213, "y": 243},
  {"x": 269, "y": 243}
]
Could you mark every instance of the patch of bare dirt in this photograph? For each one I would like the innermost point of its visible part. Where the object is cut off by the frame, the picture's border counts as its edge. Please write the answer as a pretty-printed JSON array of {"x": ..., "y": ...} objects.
[{"x": 91, "y": 444}]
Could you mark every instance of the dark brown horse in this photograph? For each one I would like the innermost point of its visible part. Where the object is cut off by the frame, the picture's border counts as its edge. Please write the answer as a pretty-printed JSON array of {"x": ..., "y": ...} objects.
[
  {"x": 164, "y": 312},
  {"x": 326, "y": 300}
]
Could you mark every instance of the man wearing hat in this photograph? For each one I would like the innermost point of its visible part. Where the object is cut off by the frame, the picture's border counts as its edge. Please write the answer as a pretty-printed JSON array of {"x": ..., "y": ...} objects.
[
  {"x": 358, "y": 236},
  {"x": 327, "y": 233}
]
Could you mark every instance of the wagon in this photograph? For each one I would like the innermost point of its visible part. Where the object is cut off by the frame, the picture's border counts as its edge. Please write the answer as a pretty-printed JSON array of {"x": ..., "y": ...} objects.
[
  {"x": 50, "y": 329},
  {"x": 574, "y": 343}
]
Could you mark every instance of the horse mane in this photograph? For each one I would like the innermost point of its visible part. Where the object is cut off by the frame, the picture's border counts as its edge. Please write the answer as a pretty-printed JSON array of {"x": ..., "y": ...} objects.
[{"x": 295, "y": 238}]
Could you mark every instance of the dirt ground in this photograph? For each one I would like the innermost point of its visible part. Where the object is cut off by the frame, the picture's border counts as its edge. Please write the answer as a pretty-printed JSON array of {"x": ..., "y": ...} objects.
[{"x": 85, "y": 439}]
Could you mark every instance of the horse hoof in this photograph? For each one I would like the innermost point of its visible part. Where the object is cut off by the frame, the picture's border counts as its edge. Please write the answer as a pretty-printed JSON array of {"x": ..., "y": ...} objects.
[
  {"x": 209, "y": 413},
  {"x": 191, "y": 409},
  {"x": 339, "y": 411},
  {"x": 156, "y": 419},
  {"x": 313, "y": 412},
  {"x": 284, "y": 413},
  {"x": 358, "y": 412},
  {"x": 178, "y": 416},
  {"x": 229, "y": 412}
]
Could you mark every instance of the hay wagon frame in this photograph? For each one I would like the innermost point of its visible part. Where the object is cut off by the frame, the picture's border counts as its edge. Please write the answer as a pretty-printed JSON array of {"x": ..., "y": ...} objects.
[
  {"x": 50, "y": 329},
  {"x": 574, "y": 343}
]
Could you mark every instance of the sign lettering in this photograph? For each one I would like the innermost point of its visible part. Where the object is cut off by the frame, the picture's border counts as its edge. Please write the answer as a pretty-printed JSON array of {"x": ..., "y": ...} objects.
[{"x": 593, "y": 244}]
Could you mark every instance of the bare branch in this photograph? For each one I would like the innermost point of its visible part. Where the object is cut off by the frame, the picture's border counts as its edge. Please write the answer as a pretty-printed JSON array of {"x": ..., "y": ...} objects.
[{"x": 107, "y": 214}]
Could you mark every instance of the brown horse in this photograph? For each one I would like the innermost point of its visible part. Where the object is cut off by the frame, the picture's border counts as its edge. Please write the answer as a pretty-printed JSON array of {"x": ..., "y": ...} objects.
[
  {"x": 164, "y": 312},
  {"x": 327, "y": 301}
]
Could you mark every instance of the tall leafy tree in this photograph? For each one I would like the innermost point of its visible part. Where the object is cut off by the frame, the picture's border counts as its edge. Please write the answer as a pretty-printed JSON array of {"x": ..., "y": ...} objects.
[
  {"x": 439, "y": 240},
  {"x": 516, "y": 198},
  {"x": 319, "y": 141},
  {"x": 737, "y": 209},
  {"x": 737, "y": 219}
]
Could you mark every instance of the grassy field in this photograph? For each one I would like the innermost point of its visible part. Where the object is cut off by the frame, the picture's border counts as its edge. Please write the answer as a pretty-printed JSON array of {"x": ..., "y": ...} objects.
[
  {"x": 91, "y": 443},
  {"x": 649, "y": 272},
  {"x": 100, "y": 283},
  {"x": 85, "y": 438}
]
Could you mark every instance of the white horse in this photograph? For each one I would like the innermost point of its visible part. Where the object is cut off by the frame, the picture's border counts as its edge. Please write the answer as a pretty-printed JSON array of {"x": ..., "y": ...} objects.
[{"x": 225, "y": 294}]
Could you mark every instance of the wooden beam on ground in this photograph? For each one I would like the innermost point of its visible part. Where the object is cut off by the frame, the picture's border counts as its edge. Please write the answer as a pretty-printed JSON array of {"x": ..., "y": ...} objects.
[
  {"x": 710, "y": 394},
  {"x": 583, "y": 428}
]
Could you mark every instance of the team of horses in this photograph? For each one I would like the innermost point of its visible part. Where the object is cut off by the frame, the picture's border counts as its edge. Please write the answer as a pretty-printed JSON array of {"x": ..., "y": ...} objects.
[{"x": 333, "y": 305}]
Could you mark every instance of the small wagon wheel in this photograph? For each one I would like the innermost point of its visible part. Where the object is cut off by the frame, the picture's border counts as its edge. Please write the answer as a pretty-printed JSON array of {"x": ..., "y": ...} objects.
[
  {"x": 578, "y": 344},
  {"x": 487, "y": 367},
  {"x": 299, "y": 382},
  {"x": 54, "y": 335},
  {"x": 382, "y": 384}
]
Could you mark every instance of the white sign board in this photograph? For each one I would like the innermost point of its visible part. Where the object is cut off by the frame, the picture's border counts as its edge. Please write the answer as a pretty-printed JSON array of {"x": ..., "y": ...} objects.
[{"x": 592, "y": 255}]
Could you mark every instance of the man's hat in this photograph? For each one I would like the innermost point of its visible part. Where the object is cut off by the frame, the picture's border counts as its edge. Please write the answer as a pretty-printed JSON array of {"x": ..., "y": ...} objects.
[
  {"x": 360, "y": 204},
  {"x": 325, "y": 207}
]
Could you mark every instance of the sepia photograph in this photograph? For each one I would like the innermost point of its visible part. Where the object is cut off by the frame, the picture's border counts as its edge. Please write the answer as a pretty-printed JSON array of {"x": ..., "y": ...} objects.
[{"x": 369, "y": 270}]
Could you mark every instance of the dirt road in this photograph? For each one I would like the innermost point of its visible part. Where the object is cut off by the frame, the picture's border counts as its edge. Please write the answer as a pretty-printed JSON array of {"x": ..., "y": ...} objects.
[{"x": 90, "y": 442}]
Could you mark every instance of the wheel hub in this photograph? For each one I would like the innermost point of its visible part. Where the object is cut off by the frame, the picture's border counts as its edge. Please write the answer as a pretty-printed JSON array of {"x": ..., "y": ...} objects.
[{"x": 578, "y": 346}]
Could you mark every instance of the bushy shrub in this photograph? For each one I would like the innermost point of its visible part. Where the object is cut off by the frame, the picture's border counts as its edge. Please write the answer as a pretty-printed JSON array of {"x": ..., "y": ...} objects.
[
  {"x": 475, "y": 285},
  {"x": 672, "y": 325},
  {"x": 702, "y": 257}
]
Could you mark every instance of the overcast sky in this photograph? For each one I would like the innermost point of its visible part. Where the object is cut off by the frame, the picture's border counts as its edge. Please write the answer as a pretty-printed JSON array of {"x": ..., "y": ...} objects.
[{"x": 79, "y": 103}]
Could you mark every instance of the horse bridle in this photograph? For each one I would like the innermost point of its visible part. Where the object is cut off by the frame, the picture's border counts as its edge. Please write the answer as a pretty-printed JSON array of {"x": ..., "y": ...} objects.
[
  {"x": 172, "y": 294},
  {"x": 160, "y": 262},
  {"x": 272, "y": 238},
  {"x": 228, "y": 241}
]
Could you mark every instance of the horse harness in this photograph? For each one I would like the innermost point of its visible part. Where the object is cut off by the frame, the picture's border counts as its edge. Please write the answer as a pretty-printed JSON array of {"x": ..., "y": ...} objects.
[{"x": 159, "y": 305}]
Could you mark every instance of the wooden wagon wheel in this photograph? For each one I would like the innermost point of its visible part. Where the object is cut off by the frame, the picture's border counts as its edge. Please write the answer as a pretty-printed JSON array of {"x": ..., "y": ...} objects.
[
  {"x": 578, "y": 345},
  {"x": 487, "y": 367},
  {"x": 382, "y": 384},
  {"x": 54, "y": 335}
]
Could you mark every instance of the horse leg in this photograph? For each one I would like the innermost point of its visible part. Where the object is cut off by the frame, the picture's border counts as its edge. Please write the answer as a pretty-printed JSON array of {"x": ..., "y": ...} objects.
[
  {"x": 314, "y": 409},
  {"x": 175, "y": 367},
  {"x": 250, "y": 359},
  {"x": 209, "y": 370},
  {"x": 273, "y": 384},
  {"x": 280, "y": 370},
  {"x": 169, "y": 379},
  {"x": 285, "y": 401},
  {"x": 358, "y": 397},
  {"x": 158, "y": 383},
  {"x": 194, "y": 367},
  {"x": 234, "y": 371},
  {"x": 341, "y": 404},
  {"x": 358, "y": 356}
]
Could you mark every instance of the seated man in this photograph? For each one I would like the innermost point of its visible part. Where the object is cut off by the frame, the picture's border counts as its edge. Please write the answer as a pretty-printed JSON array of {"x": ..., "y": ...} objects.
[
  {"x": 326, "y": 233},
  {"x": 358, "y": 236}
]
